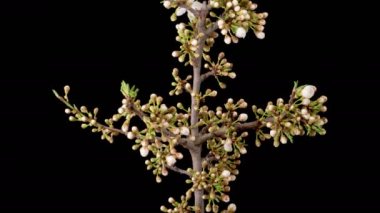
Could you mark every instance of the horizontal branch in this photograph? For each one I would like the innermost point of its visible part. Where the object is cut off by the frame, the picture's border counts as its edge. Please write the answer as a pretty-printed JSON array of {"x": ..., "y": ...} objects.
[
  {"x": 254, "y": 125},
  {"x": 178, "y": 170},
  {"x": 206, "y": 75}
]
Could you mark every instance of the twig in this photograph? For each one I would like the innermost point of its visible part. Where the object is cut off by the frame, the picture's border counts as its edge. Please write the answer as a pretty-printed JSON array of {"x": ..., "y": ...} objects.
[
  {"x": 206, "y": 75},
  {"x": 222, "y": 131},
  {"x": 178, "y": 170}
]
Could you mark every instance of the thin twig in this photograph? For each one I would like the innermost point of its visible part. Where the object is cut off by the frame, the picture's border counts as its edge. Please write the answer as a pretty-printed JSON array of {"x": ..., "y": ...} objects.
[
  {"x": 178, "y": 170},
  {"x": 206, "y": 75},
  {"x": 222, "y": 131}
]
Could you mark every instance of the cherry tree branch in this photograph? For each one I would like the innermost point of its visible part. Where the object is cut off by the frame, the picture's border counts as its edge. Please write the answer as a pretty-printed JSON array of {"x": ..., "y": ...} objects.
[
  {"x": 253, "y": 125},
  {"x": 178, "y": 170},
  {"x": 206, "y": 75}
]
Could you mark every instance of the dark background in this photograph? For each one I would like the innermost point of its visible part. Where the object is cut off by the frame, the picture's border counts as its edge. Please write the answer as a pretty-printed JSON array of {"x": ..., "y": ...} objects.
[{"x": 47, "y": 162}]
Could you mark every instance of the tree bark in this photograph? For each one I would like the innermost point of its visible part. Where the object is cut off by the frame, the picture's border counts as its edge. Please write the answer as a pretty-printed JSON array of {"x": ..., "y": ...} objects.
[{"x": 196, "y": 159}]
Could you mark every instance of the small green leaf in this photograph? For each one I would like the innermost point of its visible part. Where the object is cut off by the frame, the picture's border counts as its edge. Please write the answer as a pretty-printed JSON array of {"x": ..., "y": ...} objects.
[
  {"x": 124, "y": 88},
  {"x": 128, "y": 91}
]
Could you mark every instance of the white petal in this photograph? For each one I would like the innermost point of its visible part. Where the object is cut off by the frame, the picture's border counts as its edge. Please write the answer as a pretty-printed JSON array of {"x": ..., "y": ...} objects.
[
  {"x": 197, "y": 5},
  {"x": 180, "y": 11}
]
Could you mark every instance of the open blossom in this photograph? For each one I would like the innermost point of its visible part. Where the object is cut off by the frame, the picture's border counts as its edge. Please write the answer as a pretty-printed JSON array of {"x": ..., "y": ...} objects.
[
  {"x": 308, "y": 91},
  {"x": 241, "y": 32},
  {"x": 196, "y": 5}
]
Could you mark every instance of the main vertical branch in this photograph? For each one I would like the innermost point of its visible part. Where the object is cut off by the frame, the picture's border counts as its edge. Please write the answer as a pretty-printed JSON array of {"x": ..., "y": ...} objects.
[{"x": 197, "y": 65}]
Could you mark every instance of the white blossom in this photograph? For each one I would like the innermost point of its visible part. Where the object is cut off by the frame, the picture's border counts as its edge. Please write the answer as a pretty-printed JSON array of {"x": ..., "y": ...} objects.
[
  {"x": 227, "y": 40},
  {"x": 180, "y": 11},
  {"x": 170, "y": 160},
  {"x": 196, "y": 5},
  {"x": 228, "y": 146},
  {"x": 243, "y": 117},
  {"x": 273, "y": 133},
  {"x": 308, "y": 91},
  {"x": 241, "y": 32},
  {"x": 144, "y": 151},
  {"x": 167, "y": 4},
  {"x": 130, "y": 135},
  {"x": 231, "y": 207},
  {"x": 226, "y": 173}
]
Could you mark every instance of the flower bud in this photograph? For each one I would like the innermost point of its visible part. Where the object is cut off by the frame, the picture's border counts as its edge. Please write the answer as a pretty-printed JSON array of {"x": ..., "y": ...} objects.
[
  {"x": 226, "y": 173},
  {"x": 241, "y": 32},
  {"x": 308, "y": 91},
  {"x": 170, "y": 160},
  {"x": 144, "y": 151},
  {"x": 243, "y": 117}
]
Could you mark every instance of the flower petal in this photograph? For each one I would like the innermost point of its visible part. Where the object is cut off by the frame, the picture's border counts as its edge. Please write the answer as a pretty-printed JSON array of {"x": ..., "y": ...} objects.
[{"x": 180, "y": 11}]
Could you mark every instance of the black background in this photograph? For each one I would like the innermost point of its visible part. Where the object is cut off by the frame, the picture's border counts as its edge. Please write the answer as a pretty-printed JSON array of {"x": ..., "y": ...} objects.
[{"x": 47, "y": 162}]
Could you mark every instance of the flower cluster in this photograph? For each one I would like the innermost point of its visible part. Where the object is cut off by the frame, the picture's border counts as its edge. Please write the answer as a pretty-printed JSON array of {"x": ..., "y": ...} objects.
[
  {"x": 238, "y": 18},
  {"x": 299, "y": 116},
  {"x": 179, "y": 83},
  {"x": 221, "y": 68},
  {"x": 164, "y": 129},
  {"x": 234, "y": 22}
]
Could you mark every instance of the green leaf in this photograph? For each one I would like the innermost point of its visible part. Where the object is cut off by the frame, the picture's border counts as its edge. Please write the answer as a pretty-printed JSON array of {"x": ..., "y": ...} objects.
[
  {"x": 128, "y": 91},
  {"x": 124, "y": 88}
]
